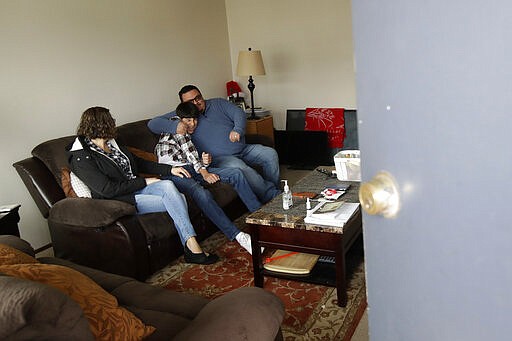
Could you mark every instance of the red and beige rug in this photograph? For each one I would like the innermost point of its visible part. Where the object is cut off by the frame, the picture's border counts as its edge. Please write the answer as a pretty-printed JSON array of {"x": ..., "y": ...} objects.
[{"x": 311, "y": 310}]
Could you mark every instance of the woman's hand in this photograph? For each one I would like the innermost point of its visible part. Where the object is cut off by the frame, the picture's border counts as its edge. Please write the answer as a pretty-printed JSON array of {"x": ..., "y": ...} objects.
[
  {"x": 151, "y": 180},
  {"x": 180, "y": 171}
]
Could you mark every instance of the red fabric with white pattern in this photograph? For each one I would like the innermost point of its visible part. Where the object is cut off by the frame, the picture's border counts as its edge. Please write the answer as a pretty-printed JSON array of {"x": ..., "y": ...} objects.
[{"x": 330, "y": 120}]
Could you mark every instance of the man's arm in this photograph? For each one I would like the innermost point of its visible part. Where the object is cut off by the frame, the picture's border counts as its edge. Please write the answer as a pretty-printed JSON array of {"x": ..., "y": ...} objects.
[
  {"x": 163, "y": 124},
  {"x": 236, "y": 114}
]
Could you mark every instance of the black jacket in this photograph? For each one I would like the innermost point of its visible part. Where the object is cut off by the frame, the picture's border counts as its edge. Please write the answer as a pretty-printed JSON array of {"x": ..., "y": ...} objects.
[{"x": 104, "y": 177}]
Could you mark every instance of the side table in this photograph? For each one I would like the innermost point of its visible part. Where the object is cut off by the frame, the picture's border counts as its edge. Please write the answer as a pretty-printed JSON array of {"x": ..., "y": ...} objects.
[
  {"x": 9, "y": 219},
  {"x": 261, "y": 126}
]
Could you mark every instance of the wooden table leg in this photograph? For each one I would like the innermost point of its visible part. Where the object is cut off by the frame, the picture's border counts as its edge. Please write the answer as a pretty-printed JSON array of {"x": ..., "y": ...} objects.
[
  {"x": 341, "y": 286},
  {"x": 256, "y": 257}
]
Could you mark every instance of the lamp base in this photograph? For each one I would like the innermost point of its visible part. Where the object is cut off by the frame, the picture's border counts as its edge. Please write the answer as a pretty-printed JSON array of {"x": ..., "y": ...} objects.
[{"x": 253, "y": 116}]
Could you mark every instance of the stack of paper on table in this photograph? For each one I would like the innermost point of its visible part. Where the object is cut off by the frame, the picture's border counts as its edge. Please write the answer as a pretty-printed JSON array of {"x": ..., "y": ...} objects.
[{"x": 331, "y": 213}]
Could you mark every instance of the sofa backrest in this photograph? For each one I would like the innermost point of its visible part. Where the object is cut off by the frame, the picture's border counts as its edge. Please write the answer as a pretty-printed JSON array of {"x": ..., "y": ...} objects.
[{"x": 137, "y": 135}]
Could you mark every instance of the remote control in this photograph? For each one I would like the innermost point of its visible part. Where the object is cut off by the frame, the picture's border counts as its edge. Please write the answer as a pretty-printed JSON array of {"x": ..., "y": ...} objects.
[
  {"x": 327, "y": 259},
  {"x": 325, "y": 171}
]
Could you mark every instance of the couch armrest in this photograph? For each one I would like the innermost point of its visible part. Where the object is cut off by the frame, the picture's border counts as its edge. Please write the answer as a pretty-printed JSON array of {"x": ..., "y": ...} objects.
[
  {"x": 87, "y": 212},
  {"x": 34, "y": 311},
  {"x": 243, "y": 314},
  {"x": 40, "y": 183},
  {"x": 17, "y": 243}
]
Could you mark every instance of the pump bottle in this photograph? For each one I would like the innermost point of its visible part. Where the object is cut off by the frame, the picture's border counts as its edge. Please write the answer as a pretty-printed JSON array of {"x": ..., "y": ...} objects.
[{"x": 287, "y": 196}]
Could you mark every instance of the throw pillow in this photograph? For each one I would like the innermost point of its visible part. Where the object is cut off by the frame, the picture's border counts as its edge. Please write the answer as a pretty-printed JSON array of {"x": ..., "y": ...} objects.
[
  {"x": 143, "y": 154},
  {"x": 65, "y": 180},
  {"x": 81, "y": 189},
  {"x": 107, "y": 320},
  {"x": 72, "y": 186},
  {"x": 10, "y": 255}
]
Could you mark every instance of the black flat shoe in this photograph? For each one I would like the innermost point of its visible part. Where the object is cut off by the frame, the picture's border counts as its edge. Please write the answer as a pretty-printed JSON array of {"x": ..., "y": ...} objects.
[{"x": 199, "y": 258}]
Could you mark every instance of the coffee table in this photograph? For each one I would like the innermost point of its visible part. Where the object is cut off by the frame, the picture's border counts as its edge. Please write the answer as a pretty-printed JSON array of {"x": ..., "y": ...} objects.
[{"x": 275, "y": 228}]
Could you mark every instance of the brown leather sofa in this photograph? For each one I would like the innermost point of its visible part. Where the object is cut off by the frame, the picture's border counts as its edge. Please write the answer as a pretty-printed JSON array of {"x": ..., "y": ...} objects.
[
  {"x": 107, "y": 234},
  {"x": 33, "y": 310}
]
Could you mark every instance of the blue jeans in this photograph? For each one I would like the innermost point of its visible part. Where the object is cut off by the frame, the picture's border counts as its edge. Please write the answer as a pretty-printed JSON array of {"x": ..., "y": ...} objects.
[
  {"x": 265, "y": 187},
  {"x": 204, "y": 199},
  {"x": 163, "y": 196}
]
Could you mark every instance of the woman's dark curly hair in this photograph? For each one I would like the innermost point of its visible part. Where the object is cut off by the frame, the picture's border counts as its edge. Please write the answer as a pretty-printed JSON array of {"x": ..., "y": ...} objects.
[{"x": 96, "y": 122}]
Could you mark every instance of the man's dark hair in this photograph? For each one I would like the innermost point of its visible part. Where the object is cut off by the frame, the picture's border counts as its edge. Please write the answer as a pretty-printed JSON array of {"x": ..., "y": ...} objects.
[
  {"x": 187, "y": 110},
  {"x": 186, "y": 89}
]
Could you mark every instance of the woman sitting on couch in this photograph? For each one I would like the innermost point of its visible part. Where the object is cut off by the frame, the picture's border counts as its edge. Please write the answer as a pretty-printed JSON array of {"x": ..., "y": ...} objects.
[{"x": 111, "y": 172}]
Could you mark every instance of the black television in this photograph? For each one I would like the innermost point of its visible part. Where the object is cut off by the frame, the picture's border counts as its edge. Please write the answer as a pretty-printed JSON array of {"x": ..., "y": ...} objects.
[{"x": 300, "y": 149}]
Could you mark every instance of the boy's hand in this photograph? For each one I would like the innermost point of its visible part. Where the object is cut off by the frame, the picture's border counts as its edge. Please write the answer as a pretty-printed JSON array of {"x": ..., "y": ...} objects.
[
  {"x": 181, "y": 128},
  {"x": 206, "y": 158},
  {"x": 234, "y": 136},
  {"x": 180, "y": 171},
  {"x": 210, "y": 178}
]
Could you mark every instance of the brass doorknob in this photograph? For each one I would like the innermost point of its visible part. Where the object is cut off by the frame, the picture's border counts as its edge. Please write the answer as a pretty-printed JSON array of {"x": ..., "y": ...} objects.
[{"x": 380, "y": 195}]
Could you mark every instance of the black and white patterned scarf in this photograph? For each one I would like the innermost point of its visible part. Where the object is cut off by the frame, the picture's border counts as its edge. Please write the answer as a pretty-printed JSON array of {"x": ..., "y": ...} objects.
[{"x": 115, "y": 155}]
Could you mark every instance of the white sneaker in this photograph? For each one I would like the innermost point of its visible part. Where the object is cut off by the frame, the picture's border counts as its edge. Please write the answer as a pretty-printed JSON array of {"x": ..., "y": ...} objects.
[{"x": 244, "y": 239}]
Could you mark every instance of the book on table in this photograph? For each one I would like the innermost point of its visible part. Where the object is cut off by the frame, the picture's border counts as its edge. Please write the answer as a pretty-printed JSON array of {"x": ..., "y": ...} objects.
[{"x": 331, "y": 213}]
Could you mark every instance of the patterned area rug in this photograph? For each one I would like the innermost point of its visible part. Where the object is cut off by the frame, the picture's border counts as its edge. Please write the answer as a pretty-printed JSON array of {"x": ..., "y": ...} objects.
[{"x": 311, "y": 310}]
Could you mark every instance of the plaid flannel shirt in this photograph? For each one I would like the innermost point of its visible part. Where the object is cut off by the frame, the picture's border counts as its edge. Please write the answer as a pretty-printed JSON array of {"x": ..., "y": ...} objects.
[{"x": 178, "y": 150}]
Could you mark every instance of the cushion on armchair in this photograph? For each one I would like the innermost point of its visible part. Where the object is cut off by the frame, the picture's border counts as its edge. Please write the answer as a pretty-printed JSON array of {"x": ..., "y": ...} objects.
[{"x": 77, "y": 211}]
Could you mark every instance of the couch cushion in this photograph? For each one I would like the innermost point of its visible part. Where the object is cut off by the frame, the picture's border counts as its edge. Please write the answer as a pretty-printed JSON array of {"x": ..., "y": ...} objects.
[
  {"x": 72, "y": 186},
  {"x": 106, "y": 319},
  {"x": 25, "y": 313},
  {"x": 10, "y": 255},
  {"x": 65, "y": 181}
]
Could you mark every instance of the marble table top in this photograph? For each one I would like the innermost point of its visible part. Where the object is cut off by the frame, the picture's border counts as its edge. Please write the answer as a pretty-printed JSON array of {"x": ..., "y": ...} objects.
[{"x": 273, "y": 214}]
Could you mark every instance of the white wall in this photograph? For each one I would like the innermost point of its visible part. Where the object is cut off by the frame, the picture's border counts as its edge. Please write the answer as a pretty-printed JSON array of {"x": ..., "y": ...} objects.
[
  {"x": 58, "y": 58},
  {"x": 307, "y": 51}
]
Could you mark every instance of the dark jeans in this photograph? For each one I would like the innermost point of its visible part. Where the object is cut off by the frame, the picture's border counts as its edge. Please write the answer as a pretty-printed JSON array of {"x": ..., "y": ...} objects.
[{"x": 204, "y": 199}]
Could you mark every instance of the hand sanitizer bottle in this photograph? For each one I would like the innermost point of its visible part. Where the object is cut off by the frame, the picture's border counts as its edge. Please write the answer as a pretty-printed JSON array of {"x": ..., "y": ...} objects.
[{"x": 287, "y": 196}]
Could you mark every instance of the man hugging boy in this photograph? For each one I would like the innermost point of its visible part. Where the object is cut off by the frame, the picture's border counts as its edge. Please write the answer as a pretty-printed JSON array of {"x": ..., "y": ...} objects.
[{"x": 178, "y": 150}]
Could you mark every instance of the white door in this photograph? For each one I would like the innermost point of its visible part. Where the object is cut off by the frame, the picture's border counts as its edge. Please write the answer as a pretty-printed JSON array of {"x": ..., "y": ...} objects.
[{"x": 434, "y": 90}]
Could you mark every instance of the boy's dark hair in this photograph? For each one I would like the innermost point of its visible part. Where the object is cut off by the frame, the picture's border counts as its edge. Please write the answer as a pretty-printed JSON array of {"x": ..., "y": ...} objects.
[
  {"x": 187, "y": 110},
  {"x": 186, "y": 89}
]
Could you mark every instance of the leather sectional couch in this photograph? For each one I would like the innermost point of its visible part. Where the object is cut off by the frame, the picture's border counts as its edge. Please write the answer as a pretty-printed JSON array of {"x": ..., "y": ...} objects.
[
  {"x": 107, "y": 234},
  {"x": 49, "y": 308}
]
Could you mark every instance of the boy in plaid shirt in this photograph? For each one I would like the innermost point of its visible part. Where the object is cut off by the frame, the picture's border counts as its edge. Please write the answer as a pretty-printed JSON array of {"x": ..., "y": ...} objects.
[{"x": 179, "y": 151}]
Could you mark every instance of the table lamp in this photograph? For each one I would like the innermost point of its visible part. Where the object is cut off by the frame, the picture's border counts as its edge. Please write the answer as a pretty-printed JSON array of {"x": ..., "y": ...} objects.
[{"x": 250, "y": 64}]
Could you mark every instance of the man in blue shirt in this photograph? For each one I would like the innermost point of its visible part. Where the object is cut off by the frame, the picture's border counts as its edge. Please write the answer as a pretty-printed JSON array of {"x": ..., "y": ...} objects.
[{"x": 221, "y": 132}]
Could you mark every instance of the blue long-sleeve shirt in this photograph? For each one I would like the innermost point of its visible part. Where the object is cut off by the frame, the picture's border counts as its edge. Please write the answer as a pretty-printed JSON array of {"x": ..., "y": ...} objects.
[{"x": 213, "y": 128}]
